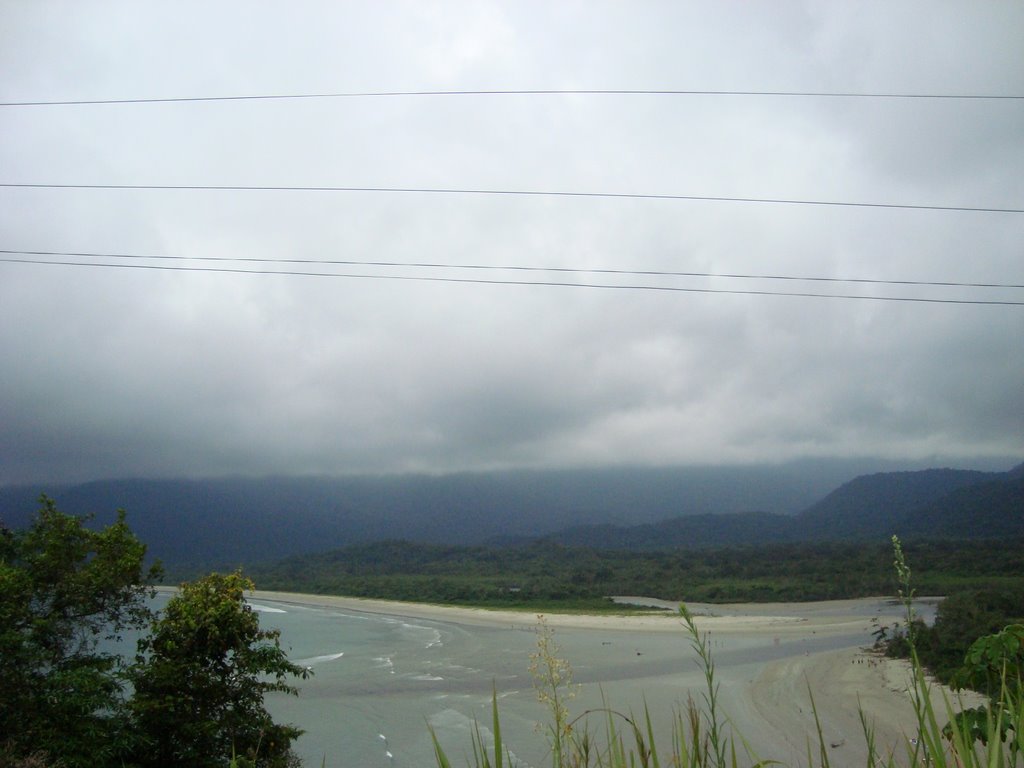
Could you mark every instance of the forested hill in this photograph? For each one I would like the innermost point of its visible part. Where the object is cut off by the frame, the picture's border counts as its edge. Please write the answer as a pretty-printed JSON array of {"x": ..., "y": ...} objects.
[
  {"x": 994, "y": 508},
  {"x": 224, "y": 521},
  {"x": 228, "y": 522},
  {"x": 692, "y": 532},
  {"x": 872, "y": 503},
  {"x": 937, "y": 503}
]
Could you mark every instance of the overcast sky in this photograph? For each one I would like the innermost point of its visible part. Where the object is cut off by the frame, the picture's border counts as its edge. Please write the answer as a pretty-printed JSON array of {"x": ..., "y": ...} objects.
[{"x": 113, "y": 372}]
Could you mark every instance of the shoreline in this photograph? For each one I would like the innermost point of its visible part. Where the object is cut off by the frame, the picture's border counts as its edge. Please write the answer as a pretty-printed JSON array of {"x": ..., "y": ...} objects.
[
  {"x": 772, "y": 658},
  {"x": 828, "y": 617},
  {"x": 823, "y": 618},
  {"x": 769, "y": 702}
]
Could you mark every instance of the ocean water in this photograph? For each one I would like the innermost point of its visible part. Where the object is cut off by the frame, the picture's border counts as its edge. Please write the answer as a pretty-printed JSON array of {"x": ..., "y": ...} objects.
[{"x": 381, "y": 683}]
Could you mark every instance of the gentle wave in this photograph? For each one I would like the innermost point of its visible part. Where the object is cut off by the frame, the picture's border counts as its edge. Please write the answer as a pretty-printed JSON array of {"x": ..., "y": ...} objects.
[
  {"x": 459, "y": 668},
  {"x": 434, "y": 637},
  {"x": 319, "y": 659},
  {"x": 451, "y": 719},
  {"x": 435, "y": 640},
  {"x": 265, "y": 608}
]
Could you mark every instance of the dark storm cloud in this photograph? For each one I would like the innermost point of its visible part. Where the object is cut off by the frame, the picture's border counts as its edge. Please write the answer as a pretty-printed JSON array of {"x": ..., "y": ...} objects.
[{"x": 134, "y": 372}]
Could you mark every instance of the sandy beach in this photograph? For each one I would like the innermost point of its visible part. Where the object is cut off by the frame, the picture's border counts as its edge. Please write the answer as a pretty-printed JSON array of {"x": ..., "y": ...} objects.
[
  {"x": 834, "y": 616},
  {"x": 767, "y": 657}
]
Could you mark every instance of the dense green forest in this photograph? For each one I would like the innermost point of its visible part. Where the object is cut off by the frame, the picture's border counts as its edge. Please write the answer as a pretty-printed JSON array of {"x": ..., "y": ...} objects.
[
  {"x": 546, "y": 574},
  {"x": 191, "y": 695},
  {"x": 961, "y": 619},
  {"x": 195, "y": 526}
]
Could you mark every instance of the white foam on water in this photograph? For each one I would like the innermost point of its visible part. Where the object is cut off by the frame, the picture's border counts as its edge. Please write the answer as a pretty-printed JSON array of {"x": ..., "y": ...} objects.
[
  {"x": 265, "y": 608},
  {"x": 320, "y": 659},
  {"x": 435, "y": 640},
  {"x": 451, "y": 718}
]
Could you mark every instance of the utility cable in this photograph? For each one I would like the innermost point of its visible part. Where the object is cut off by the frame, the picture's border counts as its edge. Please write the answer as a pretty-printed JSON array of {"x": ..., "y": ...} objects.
[
  {"x": 510, "y": 193},
  {"x": 541, "y": 283},
  {"x": 513, "y": 268},
  {"x": 525, "y": 92}
]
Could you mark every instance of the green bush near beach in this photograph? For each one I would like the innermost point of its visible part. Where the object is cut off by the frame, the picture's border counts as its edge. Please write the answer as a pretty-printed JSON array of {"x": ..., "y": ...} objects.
[
  {"x": 962, "y": 618},
  {"x": 192, "y": 695}
]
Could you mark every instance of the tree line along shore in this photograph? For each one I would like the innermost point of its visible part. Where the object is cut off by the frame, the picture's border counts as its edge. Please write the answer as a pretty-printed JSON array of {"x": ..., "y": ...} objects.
[{"x": 548, "y": 576}]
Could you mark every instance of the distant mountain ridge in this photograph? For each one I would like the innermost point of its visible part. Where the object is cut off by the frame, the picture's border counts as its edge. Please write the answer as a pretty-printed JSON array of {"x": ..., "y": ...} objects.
[
  {"x": 990, "y": 509},
  {"x": 934, "y": 503},
  {"x": 866, "y": 505},
  {"x": 227, "y": 522},
  {"x": 234, "y": 520}
]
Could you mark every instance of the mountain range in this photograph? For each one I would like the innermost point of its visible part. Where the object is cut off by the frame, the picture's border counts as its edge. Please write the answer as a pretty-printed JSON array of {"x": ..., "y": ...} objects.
[
  {"x": 226, "y": 522},
  {"x": 927, "y": 504}
]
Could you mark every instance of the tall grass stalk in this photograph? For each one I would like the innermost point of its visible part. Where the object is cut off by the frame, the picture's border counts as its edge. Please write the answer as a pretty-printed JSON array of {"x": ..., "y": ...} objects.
[
  {"x": 552, "y": 681},
  {"x": 955, "y": 744},
  {"x": 716, "y": 739}
]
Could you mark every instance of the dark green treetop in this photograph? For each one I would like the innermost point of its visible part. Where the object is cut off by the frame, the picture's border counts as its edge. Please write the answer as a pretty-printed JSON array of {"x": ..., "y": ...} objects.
[
  {"x": 63, "y": 589},
  {"x": 201, "y": 676}
]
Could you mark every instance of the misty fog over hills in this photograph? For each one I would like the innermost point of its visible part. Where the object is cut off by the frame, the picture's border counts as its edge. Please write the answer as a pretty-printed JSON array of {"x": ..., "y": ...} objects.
[
  {"x": 224, "y": 522},
  {"x": 935, "y": 503}
]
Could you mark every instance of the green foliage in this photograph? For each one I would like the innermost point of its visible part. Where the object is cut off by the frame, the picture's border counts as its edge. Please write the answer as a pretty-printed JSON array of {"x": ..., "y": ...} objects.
[
  {"x": 192, "y": 696},
  {"x": 497, "y": 756},
  {"x": 716, "y": 742},
  {"x": 962, "y": 620},
  {"x": 544, "y": 576},
  {"x": 994, "y": 663},
  {"x": 980, "y": 723},
  {"x": 63, "y": 589},
  {"x": 200, "y": 680},
  {"x": 702, "y": 736}
]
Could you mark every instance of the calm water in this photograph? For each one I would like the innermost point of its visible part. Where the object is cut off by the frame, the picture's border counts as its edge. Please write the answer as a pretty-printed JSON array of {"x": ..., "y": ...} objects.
[{"x": 380, "y": 683}]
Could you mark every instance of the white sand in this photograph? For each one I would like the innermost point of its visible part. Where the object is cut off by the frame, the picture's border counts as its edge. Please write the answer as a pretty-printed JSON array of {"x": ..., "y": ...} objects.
[
  {"x": 845, "y": 684},
  {"x": 768, "y": 702},
  {"x": 741, "y": 617}
]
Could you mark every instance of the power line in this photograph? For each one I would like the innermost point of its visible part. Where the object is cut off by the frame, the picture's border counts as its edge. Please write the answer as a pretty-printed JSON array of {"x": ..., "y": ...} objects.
[
  {"x": 512, "y": 193},
  {"x": 515, "y": 268},
  {"x": 536, "y": 283},
  {"x": 525, "y": 92}
]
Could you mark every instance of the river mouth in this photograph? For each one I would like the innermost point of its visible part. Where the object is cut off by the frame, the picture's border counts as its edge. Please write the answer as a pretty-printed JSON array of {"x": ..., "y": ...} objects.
[{"x": 382, "y": 680}]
